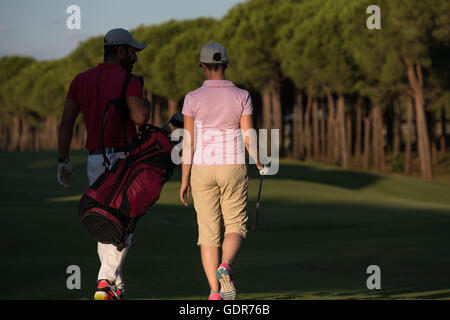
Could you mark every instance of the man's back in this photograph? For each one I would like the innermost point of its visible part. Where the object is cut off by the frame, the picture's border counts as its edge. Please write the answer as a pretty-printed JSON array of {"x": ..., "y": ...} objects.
[{"x": 91, "y": 89}]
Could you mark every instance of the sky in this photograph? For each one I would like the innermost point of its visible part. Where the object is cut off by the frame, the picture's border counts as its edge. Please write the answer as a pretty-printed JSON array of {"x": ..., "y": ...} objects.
[{"x": 37, "y": 28}]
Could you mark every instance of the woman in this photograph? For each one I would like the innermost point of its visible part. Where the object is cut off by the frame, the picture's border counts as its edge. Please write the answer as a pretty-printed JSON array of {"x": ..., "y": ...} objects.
[{"x": 213, "y": 115}]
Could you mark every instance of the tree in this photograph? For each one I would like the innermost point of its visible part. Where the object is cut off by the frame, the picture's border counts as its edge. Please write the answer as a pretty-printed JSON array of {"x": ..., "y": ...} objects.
[
  {"x": 248, "y": 31},
  {"x": 11, "y": 68},
  {"x": 319, "y": 65},
  {"x": 158, "y": 61}
]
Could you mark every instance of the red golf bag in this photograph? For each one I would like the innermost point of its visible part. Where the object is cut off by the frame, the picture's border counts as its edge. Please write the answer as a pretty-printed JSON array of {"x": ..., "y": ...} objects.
[{"x": 111, "y": 206}]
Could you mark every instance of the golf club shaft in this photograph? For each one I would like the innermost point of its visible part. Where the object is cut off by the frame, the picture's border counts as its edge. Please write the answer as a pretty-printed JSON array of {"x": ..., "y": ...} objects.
[{"x": 257, "y": 204}]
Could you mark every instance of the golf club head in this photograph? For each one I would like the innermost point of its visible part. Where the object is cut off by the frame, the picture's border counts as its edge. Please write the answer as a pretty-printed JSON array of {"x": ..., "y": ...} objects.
[
  {"x": 166, "y": 128},
  {"x": 177, "y": 120}
]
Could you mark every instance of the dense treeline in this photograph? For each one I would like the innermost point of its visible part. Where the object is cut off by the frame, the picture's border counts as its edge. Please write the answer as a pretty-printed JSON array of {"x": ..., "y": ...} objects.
[{"x": 339, "y": 92}]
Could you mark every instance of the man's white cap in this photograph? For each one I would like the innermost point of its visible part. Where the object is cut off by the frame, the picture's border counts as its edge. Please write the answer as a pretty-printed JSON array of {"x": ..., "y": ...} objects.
[
  {"x": 213, "y": 52},
  {"x": 121, "y": 36}
]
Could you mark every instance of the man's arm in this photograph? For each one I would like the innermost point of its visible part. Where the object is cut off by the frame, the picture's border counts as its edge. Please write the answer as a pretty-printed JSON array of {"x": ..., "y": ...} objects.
[
  {"x": 139, "y": 110},
  {"x": 70, "y": 113}
]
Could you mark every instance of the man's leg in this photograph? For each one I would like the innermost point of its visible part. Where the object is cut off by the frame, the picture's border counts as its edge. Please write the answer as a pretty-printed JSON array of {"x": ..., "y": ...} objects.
[
  {"x": 111, "y": 259},
  {"x": 111, "y": 262}
]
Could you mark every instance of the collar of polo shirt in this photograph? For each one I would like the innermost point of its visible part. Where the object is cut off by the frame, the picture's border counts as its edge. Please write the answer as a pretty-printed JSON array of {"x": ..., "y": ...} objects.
[{"x": 218, "y": 83}]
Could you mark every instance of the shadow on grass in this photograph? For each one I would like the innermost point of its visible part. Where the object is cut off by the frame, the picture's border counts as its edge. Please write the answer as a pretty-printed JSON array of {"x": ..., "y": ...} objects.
[
  {"x": 352, "y": 180},
  {"x": 44, "y": 162}
]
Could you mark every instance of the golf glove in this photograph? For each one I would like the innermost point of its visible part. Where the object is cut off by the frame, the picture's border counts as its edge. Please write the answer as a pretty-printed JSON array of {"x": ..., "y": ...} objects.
[
  {"x": 65, "y": 173},
  {"x": 264, "y": 170}
]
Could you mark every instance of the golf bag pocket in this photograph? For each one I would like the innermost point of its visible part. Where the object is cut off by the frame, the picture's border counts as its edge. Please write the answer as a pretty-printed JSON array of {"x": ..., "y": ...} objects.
[
  {"x": 141, "y": 191},
  {"x": 105, "y": 226}
]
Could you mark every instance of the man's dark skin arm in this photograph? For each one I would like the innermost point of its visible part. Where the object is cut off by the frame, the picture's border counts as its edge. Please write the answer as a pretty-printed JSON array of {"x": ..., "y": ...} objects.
[
  {"x": 139, "y": 114},
  {"x": 139, "y": 111},
  {"x": 70, "y": 114}
]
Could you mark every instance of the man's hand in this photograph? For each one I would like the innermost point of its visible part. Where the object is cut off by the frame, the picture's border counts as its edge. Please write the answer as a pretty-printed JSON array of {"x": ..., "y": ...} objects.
[
  {"x": 65, "y": 173},
  {"x": 185, "y": 191}
]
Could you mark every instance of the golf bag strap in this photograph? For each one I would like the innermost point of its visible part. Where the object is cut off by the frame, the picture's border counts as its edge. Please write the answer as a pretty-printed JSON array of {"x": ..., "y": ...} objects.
[{"x": 121, "y": 103}]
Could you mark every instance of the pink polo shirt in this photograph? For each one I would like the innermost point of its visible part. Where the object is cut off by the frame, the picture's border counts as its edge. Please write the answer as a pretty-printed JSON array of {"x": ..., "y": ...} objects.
[{"x": 217, "y": 108}]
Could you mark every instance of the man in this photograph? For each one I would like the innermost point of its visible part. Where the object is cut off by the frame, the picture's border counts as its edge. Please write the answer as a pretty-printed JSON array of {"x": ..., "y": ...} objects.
[
  {"x": 88, "y": 93},
  {"x": 218, "y": 110}
]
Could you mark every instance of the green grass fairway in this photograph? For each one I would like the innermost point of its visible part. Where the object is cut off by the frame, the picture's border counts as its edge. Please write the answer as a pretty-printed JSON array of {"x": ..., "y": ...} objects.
[{"x": 319, "y": 229}]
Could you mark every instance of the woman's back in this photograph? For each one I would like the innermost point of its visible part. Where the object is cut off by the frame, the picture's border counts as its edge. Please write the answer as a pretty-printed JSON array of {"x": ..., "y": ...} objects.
[{"x": 217, "y": 108}]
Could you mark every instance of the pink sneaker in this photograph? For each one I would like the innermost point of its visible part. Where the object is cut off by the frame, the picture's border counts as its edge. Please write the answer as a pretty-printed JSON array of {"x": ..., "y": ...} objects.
[
  {"x": 225, "y": 277},
  {"x": 215, "y": 296}
]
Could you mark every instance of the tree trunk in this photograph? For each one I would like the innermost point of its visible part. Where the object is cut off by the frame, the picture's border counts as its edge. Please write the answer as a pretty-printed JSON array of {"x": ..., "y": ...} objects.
[
  {"x": 316, "y": 137},
  {"x": 301, "y": 132},
  {"x": 75, "y": 143},
  {"x": 3, "y": 137},
  {"x": 157, "y": 112},
  {"x": 358, "y": 131},
  {"x": 267, "y": 113},
  {"x": 414, "y": 74},
  {"x": 336, "y": 138},
  {"x": 308, "y": 127},
  {"x": 378, "y": 138},
  {"x": 297, "y": 127},
  {"x": 267, "y": 116},
  {"x": 323, "y": 140},
  {"x": 331, "y": 145},
  {"x": 277, "y": 115},
  {"x": 397, "y": 129},
  {"x": 349, "y": 133},
  {"x": 443, "y": 131},
  {"x": 24, "y": 134},
  {"x": 52, "y": 132},
  {"x": 408, "y": 140},
  {"x": 433, "y": 139},
  {"x": 79, "y": 136},
  {"x": 341, "y": 126},
  {"x": 173, "y": 106},
  {"x": 15, "y": 134},
  {"x": 367, "y": 130},
  {"x": 381, "y": 140},
  {"x": 375, "y": 136}
]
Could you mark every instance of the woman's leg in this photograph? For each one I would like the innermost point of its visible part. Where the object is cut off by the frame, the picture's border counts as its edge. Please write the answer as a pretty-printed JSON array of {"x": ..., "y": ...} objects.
[
  {"x": 230, "y": 247},
  {"x": 206, "y": 195},
  {"x": 210, "y": 261}
]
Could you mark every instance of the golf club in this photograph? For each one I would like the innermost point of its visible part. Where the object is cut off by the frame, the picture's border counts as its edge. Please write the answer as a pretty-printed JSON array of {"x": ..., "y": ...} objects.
[
  {"x": 177, "y": 120},
  {"x": 255, "y": 220}
]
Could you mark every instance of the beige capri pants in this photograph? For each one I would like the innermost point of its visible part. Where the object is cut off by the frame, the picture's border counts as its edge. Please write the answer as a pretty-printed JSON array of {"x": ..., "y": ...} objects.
[{"x": 220, "y": 198}]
